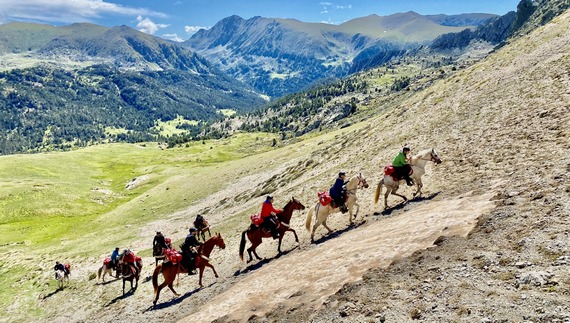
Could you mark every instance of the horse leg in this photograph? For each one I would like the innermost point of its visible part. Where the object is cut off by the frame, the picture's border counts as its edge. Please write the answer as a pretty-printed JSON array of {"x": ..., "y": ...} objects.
[
  {"x": 419, "y": 186},
  {"x": 327, "y": 227},
  {"x": 123, "y": 286},
  {"x": 209, "y": 234},
  {"x": 279, "y": 245},
  {"x": 250, "y": 251}
]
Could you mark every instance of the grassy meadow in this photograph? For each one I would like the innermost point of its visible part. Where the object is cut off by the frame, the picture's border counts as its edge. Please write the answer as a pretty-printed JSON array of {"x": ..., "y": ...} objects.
[{"x": 69, "y": 205}]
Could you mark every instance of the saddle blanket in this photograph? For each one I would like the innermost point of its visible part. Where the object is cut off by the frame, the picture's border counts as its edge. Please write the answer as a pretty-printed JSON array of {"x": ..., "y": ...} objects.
[
  {"x": 324, "y": 198},
  {"x": 256, "y": 219},
  {"x": 173, "y": 256},
  {"x": 107, "y": 261}
]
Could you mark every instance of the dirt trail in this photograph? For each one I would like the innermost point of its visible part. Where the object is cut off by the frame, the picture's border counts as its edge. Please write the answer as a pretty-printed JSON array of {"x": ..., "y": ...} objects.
[{"x": 309, "y": 277}]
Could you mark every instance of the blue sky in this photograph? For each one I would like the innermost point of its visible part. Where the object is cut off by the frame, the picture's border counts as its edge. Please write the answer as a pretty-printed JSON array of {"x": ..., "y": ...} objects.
[{"x": 179, "y": 19}]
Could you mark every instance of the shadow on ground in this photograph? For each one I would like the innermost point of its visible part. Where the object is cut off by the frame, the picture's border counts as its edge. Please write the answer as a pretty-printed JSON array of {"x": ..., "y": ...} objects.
[{"x": 405, "y": 203}]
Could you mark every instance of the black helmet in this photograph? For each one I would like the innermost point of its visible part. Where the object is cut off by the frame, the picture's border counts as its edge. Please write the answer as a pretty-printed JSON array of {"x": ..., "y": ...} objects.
[
  {"x": 406, "y": 148},
  {"x": 269, "y": 197},
  {"x": 341, "y": 173},
  {"x": 193, "y": 230},
  {"x": 117, "y": 248}
]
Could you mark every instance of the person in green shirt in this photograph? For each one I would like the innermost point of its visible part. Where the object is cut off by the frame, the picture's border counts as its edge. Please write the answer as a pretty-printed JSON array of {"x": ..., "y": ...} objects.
[{"x": 402, "y": 168}]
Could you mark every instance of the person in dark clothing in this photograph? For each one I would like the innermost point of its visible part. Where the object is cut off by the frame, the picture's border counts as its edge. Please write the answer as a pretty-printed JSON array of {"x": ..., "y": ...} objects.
[
  {"x": 267, "y": 211},
  {"x": 402, "y": 167},
  {"x": 189, "y": 251},
  {"x": 60, "y": 266},
  {"x": 338, "y": 193},
  {"x": 199, "y": 222},
  {"x": 158, "y": 244}
]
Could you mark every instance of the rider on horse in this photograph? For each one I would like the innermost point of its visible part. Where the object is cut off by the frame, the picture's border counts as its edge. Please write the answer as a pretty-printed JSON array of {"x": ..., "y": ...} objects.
[
  {"x": 59, "y": 266},
  {"x": 158, "y": 244},
  {"x": 338, "y": 192},
  {"x": 128, "y": 257},
  {"x": 189, "y": 252},
  {"x": 115, "y": 260},
  {"x": 200, "y": 222},
  {"x": 267, "y": 211},
  {"x": 402, "y": 168}
]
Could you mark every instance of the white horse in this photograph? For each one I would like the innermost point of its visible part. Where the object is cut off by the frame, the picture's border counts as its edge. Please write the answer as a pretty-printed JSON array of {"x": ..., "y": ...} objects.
[
  {"x": 418, "y": 163},
  {"x": 323, "y": 212}
]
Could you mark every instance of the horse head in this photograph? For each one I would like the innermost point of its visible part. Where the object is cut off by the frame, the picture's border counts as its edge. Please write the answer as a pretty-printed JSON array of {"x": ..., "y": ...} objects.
[
  {"x": 219, "y": 241},
  {"x": 362, "y": 181},
  {"x": 434, "y": 157},
  {"x": 296, "y": 204},
  {"x": 429, "y": 155}
]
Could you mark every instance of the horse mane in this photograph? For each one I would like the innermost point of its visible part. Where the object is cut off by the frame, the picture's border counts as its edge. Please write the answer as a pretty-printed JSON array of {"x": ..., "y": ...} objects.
[{"x": 422, "y": 153}]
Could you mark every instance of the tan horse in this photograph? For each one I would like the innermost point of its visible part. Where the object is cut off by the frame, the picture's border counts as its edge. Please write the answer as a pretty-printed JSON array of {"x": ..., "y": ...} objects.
[
  {"x": 106, "y": 269},
  {"x": 170, "y": 270},
  {"x": 418, "y": 163},
  {"x": 323, "y": 212}
]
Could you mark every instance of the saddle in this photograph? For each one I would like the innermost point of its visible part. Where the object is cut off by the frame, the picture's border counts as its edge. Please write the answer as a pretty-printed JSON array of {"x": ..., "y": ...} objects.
[
  {"x": 256, "y": 219},
  {"x": 107, "y": 261},
  {"x": 324, "y": 198},
  {"x": 389, "y": 170},
  {"x": 173, "y": 256}
]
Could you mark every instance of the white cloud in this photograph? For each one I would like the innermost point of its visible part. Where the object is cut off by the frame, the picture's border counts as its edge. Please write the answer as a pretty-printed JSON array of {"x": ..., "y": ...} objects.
[
  {"x": 330, "y": 5},
  {"x": 148, "y": 26},
  {"x": 173, "y": 37},
  {"x": 67, "y": 11},
  {"x": 191, "y": 30}
]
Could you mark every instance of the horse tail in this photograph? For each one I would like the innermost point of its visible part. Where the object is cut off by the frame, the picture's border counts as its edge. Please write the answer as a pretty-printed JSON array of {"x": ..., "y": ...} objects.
[
  {"x": 99, "y": 272},
  {"x": 378, "y": 191},
  {"x": 155, "y": 276},
  {"x": 242, "y": 245},
  {"x": 309, "y": 217}
]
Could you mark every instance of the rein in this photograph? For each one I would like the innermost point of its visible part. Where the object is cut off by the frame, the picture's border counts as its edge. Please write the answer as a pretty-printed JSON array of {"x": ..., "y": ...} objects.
[{"x": 360, "y": 184}]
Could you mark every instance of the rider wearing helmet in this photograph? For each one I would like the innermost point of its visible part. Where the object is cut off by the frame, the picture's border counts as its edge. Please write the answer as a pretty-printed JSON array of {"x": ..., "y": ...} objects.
[
  {"x": 267, "y": 214},
  {"x": 402, "y": 168},
  {"x": 338, "y": 192},
  {"x": 189, "y": 251}
]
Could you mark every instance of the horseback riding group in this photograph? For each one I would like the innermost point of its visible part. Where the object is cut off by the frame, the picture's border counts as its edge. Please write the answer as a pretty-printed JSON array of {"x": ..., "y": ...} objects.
[{"x": 269, "y": 223}]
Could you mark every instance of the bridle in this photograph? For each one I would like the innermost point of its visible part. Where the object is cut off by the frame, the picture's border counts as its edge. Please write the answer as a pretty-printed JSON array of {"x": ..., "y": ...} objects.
[
  {"x": 361, "y": 184},
  {"x": 432, "y": 157}
]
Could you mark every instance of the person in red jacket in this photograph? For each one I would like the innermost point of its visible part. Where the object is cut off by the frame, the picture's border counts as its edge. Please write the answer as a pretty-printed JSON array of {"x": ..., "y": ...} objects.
[{"x": 267, "y": 211}]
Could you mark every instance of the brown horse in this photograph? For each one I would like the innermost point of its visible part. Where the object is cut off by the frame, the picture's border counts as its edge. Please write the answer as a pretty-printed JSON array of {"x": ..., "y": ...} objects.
[
  {"x": 131, "y": 272},
  {"x": 169, "y": 270},
  {"x": 255, "y": 234},
  {"x": 202, "y": 226}
]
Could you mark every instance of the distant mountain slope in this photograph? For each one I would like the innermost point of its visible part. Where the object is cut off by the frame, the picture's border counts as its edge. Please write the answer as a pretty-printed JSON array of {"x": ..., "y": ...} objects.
[
  {"x": 465, "y": 19},
  {"x": 494, "y": 31},
  {"x": 66, "y": 86},
  {"x": 121, "y": 46},
  {"x": 280, "y": 56}
]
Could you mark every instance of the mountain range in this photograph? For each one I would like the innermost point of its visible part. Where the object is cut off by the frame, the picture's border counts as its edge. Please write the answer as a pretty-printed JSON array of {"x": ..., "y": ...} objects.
[
  {"x": 83, "y": 83},
  {"x": 281, "y": 56}
]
